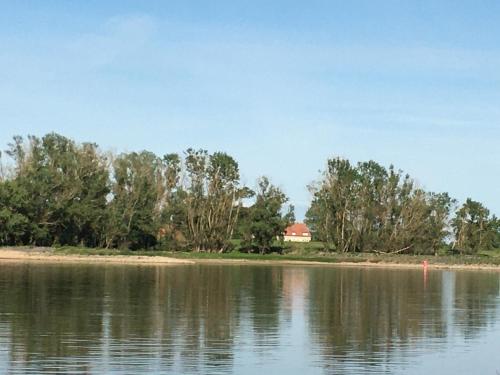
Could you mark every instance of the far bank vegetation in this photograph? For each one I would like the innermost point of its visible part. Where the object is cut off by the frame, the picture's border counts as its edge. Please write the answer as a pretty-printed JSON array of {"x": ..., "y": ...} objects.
[{"x": 56, "y": 192}]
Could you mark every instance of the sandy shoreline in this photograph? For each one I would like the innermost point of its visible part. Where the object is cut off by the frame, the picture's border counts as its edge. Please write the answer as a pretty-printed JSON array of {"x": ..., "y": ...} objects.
[{"x": 8, "y": 255}]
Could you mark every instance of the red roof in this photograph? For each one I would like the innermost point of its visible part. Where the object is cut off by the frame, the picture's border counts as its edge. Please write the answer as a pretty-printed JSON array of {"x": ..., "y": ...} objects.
[{"x": 298, "y": 229}]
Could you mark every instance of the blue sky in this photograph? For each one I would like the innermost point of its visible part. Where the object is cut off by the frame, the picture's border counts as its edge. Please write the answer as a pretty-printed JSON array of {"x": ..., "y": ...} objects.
[{"x": 280, "y": 85}]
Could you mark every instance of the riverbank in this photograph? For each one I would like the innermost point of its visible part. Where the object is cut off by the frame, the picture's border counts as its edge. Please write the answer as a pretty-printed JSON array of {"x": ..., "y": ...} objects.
[
  {"x": 53, "y": 256},
  {"x": 104, "y": 256}
]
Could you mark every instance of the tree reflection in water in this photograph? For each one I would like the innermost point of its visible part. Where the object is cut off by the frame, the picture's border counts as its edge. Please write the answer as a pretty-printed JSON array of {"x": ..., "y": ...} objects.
[{"x": 222, "y": 319}]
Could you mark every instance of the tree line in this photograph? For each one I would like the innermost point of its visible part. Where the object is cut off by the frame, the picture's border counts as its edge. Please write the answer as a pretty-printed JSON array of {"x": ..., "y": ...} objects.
[
  {"x": 369, "y": 208},
  {"x": 54, "y": 191},
  {"x": 59, "y": 192}
]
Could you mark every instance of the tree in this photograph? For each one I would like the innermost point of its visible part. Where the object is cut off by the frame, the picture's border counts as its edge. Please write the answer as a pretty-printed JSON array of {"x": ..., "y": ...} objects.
[
  {"x": 474, "y": 228},
  {"x": 14, "y": 224},
  {"x": 368, "y": 208},
  {"x": 213, "y": 199},
  {"x": 3, "y": 172},
  {"x": 333, "y": 199},
  {"x": 59, "y": 188},
  {"x": 138, "y": 197},
  {"x": 266, "y": 219},
  {"x": 438, "y": 227},
  {"x": 64, "y": 193},
  {"x": 172, "y": 233}
]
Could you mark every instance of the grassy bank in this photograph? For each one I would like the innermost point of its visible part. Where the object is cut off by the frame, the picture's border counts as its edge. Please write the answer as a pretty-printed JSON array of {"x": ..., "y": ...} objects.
[{"x": 490, "y": 259}]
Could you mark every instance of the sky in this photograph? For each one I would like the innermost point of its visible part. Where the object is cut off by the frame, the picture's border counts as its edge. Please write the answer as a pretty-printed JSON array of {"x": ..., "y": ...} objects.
[{"x": 280, "y": 85}]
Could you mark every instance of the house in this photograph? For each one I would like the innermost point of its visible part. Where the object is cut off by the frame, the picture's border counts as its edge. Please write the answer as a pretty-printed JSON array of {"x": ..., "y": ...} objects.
[{"x": 298, "y": 232}]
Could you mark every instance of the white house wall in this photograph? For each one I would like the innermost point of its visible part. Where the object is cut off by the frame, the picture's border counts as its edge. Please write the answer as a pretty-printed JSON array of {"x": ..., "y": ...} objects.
[{"x": 297, "y": 239}]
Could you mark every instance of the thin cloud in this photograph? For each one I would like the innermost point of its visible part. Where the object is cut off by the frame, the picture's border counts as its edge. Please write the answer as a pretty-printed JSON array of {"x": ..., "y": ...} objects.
[{"x": 118, "y": 37}]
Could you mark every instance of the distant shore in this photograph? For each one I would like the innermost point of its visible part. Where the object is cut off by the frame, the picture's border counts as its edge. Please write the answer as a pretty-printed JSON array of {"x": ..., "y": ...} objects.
[
  {"x": 47, "y": 256},
  {"x": 92, "y": 256}
]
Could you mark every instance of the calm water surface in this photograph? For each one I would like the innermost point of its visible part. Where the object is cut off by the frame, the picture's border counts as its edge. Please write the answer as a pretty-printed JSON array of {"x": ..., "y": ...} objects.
[{"x": 211, "y": 319}]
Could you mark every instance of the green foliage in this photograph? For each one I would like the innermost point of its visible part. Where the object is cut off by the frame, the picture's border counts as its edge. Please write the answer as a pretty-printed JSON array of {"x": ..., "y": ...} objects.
[
  {"x": 265, "y": 219},
  {"x": 213, "y": 199},
  {"x": 14, "y": 224},
  {"x": 368, "y": 208},
  {"x": 63, "y": 193},
  {"x": 475, "y": 229},
  {"x": 135, "y": 208},
  {"x": 56, "y": 192}
]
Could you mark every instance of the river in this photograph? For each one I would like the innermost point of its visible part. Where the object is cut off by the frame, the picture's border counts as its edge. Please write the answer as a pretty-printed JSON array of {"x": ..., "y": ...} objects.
[{"x": 246, "y": 319}]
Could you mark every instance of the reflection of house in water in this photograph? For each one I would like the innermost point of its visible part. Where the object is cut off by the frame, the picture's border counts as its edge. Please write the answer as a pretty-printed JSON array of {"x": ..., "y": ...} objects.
[
  {"x": 295, "y": 288},
  {"x": 448, "y": 280}
]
